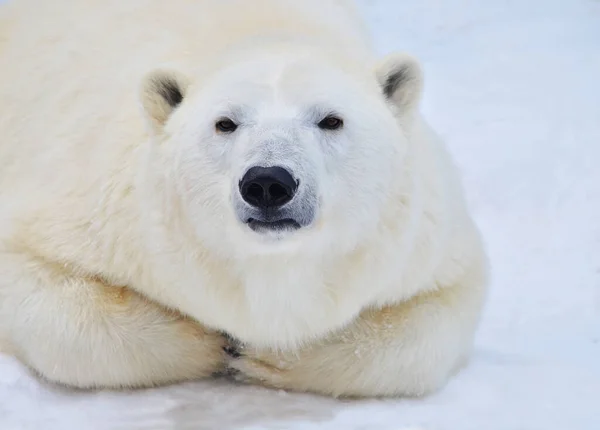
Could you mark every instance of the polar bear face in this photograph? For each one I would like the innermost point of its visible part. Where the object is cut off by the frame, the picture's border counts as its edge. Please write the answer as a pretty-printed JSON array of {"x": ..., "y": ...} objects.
[{"x": 281, "y": 154}]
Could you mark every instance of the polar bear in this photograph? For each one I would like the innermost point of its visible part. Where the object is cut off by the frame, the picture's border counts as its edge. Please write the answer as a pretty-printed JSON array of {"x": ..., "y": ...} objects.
[{"x": 195, "y": 187}]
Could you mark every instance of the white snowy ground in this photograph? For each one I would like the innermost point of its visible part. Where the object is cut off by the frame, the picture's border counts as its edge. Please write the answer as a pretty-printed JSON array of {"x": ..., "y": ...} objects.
[{"x": 514, "y": 87}]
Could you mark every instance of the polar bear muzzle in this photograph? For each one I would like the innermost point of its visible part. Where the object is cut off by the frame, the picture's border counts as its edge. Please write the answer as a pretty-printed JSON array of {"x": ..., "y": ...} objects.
[
  {"x": 268, "y": 193},
  {"x": 272, "y": 199}
]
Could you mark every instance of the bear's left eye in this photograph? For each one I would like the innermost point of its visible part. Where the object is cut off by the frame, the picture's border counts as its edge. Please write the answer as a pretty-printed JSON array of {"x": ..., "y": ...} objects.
[
  {"x": 225, "y": 125},
  {"x": 331, "y": 123}
]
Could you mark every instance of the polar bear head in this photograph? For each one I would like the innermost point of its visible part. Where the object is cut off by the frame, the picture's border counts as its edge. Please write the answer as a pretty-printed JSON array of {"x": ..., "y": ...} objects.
[{"x": 280, "y": 153}]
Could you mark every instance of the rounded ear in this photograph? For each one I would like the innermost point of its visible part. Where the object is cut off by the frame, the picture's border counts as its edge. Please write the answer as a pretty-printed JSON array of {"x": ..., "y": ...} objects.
[
  {"x": 401, "y": 79},
  {"x": 162, "y": 91}
]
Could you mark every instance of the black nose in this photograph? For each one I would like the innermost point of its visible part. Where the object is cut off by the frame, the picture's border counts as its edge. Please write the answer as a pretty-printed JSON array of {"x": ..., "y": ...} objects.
[{"x": 267, "y": 187}]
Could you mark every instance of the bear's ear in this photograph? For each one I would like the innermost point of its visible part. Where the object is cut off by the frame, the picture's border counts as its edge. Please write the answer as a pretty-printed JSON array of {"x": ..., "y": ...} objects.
[
  {"x": 162, "y": 91},
  {"x": 401, "y": 79}
]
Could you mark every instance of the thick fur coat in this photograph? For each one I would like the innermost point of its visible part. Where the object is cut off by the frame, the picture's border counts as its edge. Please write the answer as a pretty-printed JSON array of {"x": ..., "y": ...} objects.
[{"x": 128, "y": 246}]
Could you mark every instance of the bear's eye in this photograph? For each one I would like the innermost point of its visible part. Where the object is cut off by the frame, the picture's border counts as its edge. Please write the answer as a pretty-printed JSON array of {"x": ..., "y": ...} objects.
[
  {"x": 331, "y": 123},
  {"x": 225, "y": 125}
]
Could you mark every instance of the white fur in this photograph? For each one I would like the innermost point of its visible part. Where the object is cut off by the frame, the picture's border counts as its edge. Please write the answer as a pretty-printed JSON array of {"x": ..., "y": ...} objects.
[{"x": 103, "y": 184}]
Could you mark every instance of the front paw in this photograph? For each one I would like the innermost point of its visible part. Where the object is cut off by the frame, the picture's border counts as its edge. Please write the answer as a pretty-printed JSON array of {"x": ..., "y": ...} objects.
[
  {"x": 269, "y": 370},
  {"x": 313, "y": 369},
  {"x": 259, "y": 366},
  {"x": 320, "y": 368},
  {"x": 232, "y": 346}
]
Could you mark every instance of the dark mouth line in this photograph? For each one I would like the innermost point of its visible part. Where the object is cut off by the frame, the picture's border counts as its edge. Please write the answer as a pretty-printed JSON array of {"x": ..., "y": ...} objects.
[{"x": 273, "y": 225}]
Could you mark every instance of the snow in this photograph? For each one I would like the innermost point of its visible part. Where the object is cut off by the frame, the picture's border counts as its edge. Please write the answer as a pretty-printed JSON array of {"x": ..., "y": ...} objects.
[{"x": 513, "y": 86}]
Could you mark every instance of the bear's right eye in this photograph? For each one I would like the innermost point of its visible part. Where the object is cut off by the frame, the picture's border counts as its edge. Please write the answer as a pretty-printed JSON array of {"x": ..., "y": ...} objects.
[
  {"x": 225, "y": 125},
  {"x": 331, "y": 123}
]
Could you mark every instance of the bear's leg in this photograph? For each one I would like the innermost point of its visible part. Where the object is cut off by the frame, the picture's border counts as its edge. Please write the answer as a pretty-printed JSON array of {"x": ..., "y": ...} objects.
[
  {"x": 409, "y": 349},
  {"x": 81, "y": 332}
]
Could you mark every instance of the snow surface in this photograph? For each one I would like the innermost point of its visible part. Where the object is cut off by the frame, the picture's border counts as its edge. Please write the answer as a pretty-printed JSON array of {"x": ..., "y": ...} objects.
[{"x": 513, "y": 85}]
